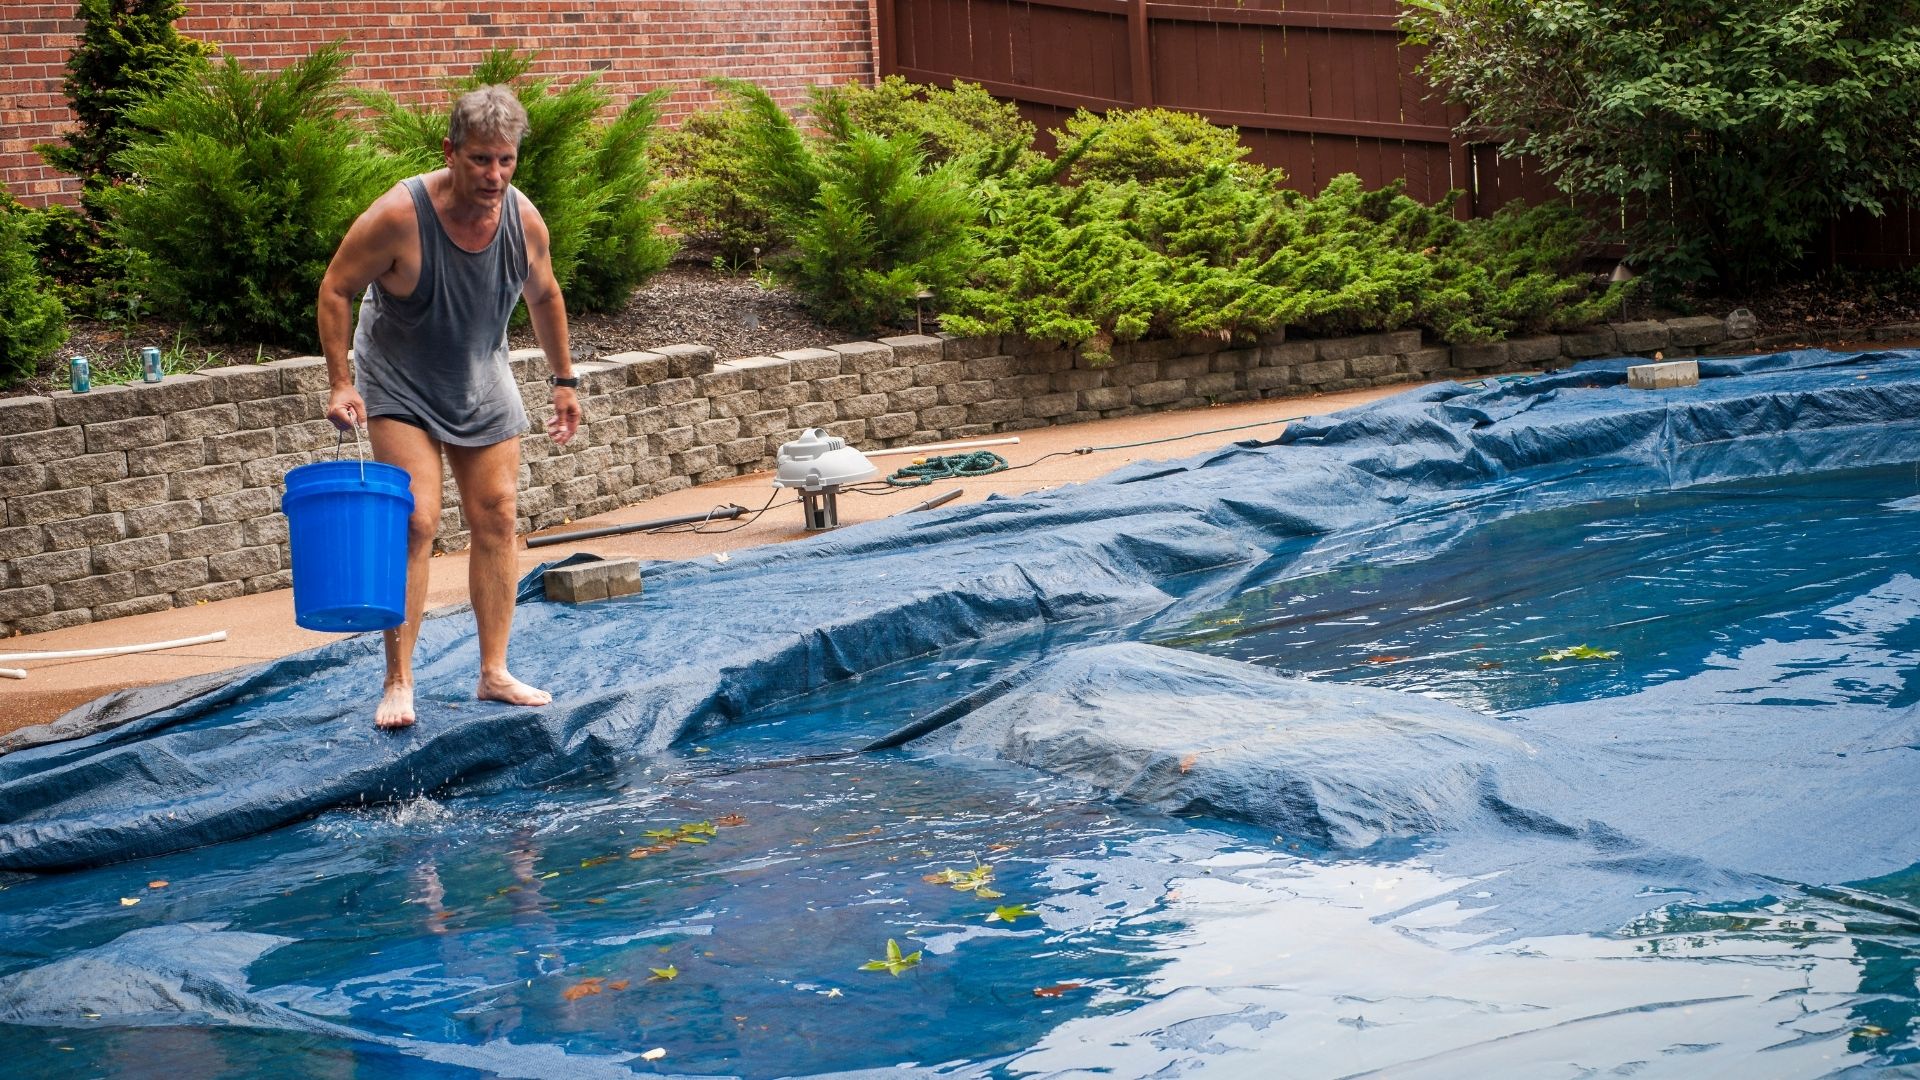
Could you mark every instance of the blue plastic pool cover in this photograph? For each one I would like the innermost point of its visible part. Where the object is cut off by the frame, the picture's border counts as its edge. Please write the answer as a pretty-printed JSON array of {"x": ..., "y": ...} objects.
[{"x": 709, "y": 644}]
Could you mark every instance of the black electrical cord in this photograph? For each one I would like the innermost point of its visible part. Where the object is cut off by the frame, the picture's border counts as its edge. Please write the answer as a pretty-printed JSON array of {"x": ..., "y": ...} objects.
[{"x": 740, "y": 523}]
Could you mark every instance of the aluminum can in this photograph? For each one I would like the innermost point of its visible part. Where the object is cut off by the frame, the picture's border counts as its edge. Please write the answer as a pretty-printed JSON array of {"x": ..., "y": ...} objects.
[
  {"x": 150, "y": 365},
  {"x": 80, "y": 374}
]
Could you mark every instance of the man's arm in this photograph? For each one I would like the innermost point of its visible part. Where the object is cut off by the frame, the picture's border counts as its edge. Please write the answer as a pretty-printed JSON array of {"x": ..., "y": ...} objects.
[
  {"x": 548, "y": 311},
  {"x": 370, "y": 249}
]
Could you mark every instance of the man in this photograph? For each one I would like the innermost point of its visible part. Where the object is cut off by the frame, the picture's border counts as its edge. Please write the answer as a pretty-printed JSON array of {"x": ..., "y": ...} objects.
[{"x": 442, "y": 260}]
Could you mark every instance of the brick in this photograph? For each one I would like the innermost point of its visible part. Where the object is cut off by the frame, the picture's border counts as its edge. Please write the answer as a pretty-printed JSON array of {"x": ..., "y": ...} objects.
[
  {"x": 199, "y": 423},
  {"x": 913, "y": 349},
  {"x": 52, "y": 567},
  {"x": 20, "y": 414},
  {"x": 35, "y": 447},
  {"x": 167, "y": 458}
]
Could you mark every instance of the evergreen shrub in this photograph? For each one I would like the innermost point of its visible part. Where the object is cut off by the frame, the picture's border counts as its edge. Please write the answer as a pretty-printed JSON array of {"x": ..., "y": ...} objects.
[
  {"x": 33, "y": 322},
  {"x": 240, "y": 185},
  {"x": 708, "y": 196},
  {"x": 591, "y": 182}
]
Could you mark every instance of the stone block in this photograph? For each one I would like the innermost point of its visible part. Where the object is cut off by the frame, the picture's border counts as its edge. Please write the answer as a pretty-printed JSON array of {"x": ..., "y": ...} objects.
[
  {"x": 1372, "y": 367},
  {"x": 853, "y": 431},
  {"x": 911, "y": 350},
  {"x": 57, "y": 620},
  {"x": 1187, "y": 367},
  {"x": 718, "y": 383},
  {"x": 201, "y": 422},
  {"x": 970, "y": 392},
  {"x": 866, "y": 357},
  {"x": 995, "y": 367},
  {"x": 913, "y": 399},
  {"x": 996, "y": 412},
  {"x": 1697, "y": 330},
  {"x": 52, "y": 566},
  {"x": 218, "y": 590},
  {"x": 1051, "y": 405},
  {"x": 85, "y": 531},
  {"x": 786, "y": 395},
  {"x": 814, "y": 414},
  {"x": 203, "y": 482},
  {"x": 25, "y": 540},
  {"x": 134, "y": 433},
  {"x": 1537, "y": 351},
  {"x": 766, "y": 422},
  {"x": 838, "y": 387},
  {"x": 761, "y": 372},
  {"x": 178, "y": 393},
  {"x": 887, "y": 380},
  {"x": 1428, "y": 361},
  {"x": 243, "y": 505},
  {"x": 1668, "y": 376},
  {"x": 715, "y": 432},
  {"x": 1320, "y": 372},
  {"x": 1102, "y": 398},
  {"x": 1078, "y": 379},
  {"x": 1288, "y": 354},
  {"x": 671, "y": 441},
  {"x": 810, "y": 365},
  {"x": 20, "y": 414},
  {"x": 1236, "y": 360},
  {"x": 1397, "y": 341},
  {"x": 688, "y": 413},
  {"x": 96, "y": 406},
  {"x": 940, "y": 374},
  {"x": 36, "y": 447},
  {"x": 277, "y": 412},
  {"x": 44, "y": 506},
  {"x": 139, "y": 605},
  {"x": 746, "y": 451},
  {"x": 242, "y": 382},
  {"x": 892, "y": 425},
  {"x": 166, "y": 517},
  {"x": 169, "y": 577},
  {"x": 1023, "y": 386},
  {"x": 268, "y": 528},
  {"x": 301, "y": 374},
  {"x": 135, "y": 554},
  {"x": 1133, "y": 374},
  {"x": 943, "y": 417},
  {"x": 1480, "y": 357},
  {"x": 208, "y": 540},
  {"x": 674, "y": 391},
  {"x": 1215, "y": 385},
  {"x": 739, "y": 404},
  {"x": 1344, "y": 348},
  {"x": 1647, "y": 335},
  {"x": 22, "y": 479},
  {"x": 89, "y": 592},
  {"x": 1597, "y": 341},
  {"x": 956, "y": 347},
  {"x": 1268, "y": 378},
  {"x": 695, "y": 459},
  {"x": 25, "y": 603},
  {"x": 863, "y": 406},
  {"x": 641, "y": 368},
  {"x": 686, "y": 361}
]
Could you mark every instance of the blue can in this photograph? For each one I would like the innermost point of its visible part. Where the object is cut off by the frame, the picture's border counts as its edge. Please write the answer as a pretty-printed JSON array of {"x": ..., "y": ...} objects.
[
  {"x": 150, "y": 365},
  {"x": 80, "y": 374}
]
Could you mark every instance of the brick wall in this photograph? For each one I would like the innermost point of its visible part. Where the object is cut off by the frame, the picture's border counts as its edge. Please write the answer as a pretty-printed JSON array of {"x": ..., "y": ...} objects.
[
  {"x": 410, "y": 47},
  {"x": 137, "y": 498}
]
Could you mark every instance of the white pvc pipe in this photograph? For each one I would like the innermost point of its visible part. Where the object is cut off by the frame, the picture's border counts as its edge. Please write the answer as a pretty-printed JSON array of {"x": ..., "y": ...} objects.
[
  {"x": 12, "y": 673},
  {"x": 116, "y": 650},
  {"x": 934, "y": 447}
]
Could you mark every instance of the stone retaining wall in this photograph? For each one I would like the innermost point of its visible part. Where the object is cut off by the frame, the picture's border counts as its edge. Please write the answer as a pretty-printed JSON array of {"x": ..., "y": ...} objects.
[{"x": 138, "y": 498}]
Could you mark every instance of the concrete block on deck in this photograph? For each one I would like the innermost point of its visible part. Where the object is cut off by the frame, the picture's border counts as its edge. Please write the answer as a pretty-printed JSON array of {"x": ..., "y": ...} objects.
[
  {"x": 1667, "y": 376},
  {"x": 601, "y": 579}
]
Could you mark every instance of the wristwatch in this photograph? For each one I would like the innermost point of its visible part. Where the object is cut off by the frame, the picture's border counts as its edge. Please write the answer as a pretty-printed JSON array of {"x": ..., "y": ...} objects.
[{"x": 571, "y": 382}]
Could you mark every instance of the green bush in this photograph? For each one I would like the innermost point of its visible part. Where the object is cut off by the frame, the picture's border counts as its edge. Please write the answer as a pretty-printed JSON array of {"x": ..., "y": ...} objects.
[
  {"x": 590, "y": 181},
  {"x": 710, "y": 198},
  {"x": 128, "y": 50},
  {"x": 33, "y": 322},
  {"x": 1729, "y": 134},
  {"x": 1148, "y": 145},
  {"x": 946, "y": 124},
  {"x": 1229, "y": 253},
  {"x": 241, "y": 186},
  {"x": 868, "y": 224}
]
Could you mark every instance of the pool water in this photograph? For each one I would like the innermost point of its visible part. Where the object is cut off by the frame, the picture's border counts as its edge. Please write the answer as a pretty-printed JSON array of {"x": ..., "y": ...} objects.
[{"x": 717, "y": 904}]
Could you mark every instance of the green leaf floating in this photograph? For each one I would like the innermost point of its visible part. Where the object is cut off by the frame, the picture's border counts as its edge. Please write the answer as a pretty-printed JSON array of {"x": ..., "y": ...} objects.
[
  {"x": 1578, "y": 652},
  {"x": 895, "y": 963},
  {"x": 1010, "y": 912}
]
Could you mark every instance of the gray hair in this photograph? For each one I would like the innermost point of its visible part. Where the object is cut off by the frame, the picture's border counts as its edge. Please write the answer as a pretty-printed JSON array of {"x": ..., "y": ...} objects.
[{"x": 491, "y": 112}]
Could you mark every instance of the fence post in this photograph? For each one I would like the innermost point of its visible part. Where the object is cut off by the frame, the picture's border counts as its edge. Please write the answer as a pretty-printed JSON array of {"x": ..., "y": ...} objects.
[
  {"x": 1142, "y": 54},
  {"x": 887, "y": 61}
]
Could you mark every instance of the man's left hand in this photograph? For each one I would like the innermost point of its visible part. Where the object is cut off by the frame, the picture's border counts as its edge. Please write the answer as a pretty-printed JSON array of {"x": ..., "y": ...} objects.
[{"x": 566, "y": 414}]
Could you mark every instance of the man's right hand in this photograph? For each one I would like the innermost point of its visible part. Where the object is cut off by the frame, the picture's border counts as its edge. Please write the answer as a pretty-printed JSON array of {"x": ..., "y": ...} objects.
[{"x": 346, "y": 409}]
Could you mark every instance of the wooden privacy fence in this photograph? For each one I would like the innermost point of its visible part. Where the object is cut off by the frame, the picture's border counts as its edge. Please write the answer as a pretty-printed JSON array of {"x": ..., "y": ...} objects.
[{"x": 1316, "y": 87}]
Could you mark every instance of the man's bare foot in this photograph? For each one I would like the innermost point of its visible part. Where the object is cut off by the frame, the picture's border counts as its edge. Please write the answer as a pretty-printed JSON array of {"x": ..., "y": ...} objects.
[
  {"x": 396, "y": 709},
  {"x": 506, "y": 688}
]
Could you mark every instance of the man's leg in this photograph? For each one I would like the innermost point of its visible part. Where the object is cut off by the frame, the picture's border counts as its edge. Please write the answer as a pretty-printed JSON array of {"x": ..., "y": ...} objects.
[
  {"x": 412, "y": 449},
  {"x": 489, "y": 478}
]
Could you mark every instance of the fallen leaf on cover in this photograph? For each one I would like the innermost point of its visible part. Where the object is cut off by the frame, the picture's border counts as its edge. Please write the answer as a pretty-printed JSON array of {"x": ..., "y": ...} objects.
[
  {"x": 1384, "y": 658},
  {"x": 1186, "y": 763},
  {"x": 1578, "y": 652},
  {"x": 129, "y": 901},
  {"x": 582, "y": 989},
  {"x": 727, "y": 821},
  {"x": 667, "y": 974},
  {"x": 654, "y": 1054},
  {"x": 156, "y": 884},
  {"x": 895, "y": 963},
  {"x": 618, "y": 984},
  {"x": 1055, "y": 990}
]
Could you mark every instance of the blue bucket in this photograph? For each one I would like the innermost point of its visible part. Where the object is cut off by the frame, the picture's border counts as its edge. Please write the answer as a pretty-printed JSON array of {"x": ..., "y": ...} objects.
[{"x": 347, "y": 526}]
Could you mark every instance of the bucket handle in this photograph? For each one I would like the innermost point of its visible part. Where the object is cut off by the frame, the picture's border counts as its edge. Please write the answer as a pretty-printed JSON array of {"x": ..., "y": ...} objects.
[{"x": 340, "y": 440}]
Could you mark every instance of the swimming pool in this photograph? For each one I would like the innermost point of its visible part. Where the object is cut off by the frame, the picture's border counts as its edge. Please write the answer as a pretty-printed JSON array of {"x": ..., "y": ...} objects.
[{"x": 1691, "y": 857}]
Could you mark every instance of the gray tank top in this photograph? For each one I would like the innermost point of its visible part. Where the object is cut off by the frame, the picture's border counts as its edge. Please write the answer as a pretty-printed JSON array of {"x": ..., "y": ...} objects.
[{"x": 439, "y": 355}]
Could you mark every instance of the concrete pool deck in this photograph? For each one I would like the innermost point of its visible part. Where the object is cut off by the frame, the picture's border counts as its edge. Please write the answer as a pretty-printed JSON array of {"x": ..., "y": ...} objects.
[{"x": 260, "y": 627}]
